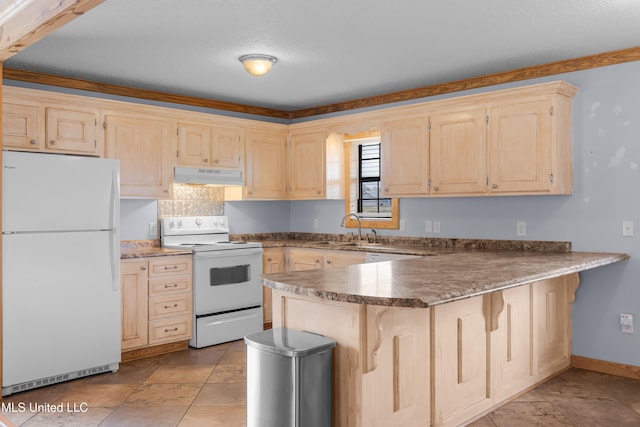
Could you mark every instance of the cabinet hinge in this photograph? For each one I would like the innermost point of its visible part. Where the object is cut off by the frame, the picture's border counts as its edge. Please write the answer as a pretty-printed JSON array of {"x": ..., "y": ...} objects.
[
  {"x": 551, "y": 178},
  {"x": 429, "y": 183},
  {"x": 429, "y": 126},
  {"x": 177, "y": 154},
  {"x": 487, "y": 180},
  {"x": 178, "y": 132},
  {"x": 95, "y": 122},
  {"x": 104, "y": 125},
  {"x": 551, "y": 111},
  {"x": 486, "y": 119}
]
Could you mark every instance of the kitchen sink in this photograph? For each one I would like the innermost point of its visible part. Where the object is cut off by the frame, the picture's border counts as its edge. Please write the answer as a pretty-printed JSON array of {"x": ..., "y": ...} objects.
[{"x": 351, "y": 243}]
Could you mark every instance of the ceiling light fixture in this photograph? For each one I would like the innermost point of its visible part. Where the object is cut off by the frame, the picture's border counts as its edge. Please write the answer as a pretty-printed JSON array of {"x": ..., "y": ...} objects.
[{"x": 257, "y": 65}]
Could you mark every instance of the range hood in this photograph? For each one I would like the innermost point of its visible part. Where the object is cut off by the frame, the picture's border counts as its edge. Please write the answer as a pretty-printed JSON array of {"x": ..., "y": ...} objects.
[{"x": 211, "y": 176}]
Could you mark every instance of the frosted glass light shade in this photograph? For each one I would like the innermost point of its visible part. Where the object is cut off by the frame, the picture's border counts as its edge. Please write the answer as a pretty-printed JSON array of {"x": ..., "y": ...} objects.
[{"x": 257, "y": 65}]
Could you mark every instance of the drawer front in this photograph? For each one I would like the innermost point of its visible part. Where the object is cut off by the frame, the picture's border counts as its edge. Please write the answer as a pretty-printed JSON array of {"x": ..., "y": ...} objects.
[
  {"x": 169, "y": 265},
  {"x": 172, "y": 329},
  {"x": 167, "y": 306},
  {"x": 170, "y": 285}
]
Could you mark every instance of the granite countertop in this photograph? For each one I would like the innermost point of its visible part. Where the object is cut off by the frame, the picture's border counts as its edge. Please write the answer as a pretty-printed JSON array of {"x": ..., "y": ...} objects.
[
  {"x": 431, "y": 280},
  {"x": 147, "y": 248}
]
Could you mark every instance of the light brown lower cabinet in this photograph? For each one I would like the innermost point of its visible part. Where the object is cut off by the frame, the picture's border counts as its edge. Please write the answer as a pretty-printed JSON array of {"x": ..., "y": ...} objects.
[
  {"x": 157, "y": 304},
  {"x": 439, "y": 366},
  {"x": 273, "y": 261}
]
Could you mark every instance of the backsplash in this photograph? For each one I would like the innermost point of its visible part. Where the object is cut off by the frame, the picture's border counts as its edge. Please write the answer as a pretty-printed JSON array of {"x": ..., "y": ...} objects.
[{"x": 193, "y": 200}]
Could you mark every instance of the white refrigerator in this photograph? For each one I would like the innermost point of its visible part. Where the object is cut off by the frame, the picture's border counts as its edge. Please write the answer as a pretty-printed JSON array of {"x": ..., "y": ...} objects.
[{"x": 60, "y": 268}]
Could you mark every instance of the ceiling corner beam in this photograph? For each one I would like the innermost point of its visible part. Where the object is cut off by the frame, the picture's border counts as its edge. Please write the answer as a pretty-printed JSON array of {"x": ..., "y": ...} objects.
[{"x": 23, "y": 22}]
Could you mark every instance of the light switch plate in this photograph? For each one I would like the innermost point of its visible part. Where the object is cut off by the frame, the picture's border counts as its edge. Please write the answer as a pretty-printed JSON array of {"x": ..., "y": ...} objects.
[
  {"x": 521, "y": 228},
  {"x": 627, "y": 228}
]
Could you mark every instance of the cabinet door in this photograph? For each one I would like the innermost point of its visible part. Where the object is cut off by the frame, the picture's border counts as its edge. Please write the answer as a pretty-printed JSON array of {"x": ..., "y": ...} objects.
[
  {"x": 520, "y": 147},
  {"x": 71, "y": 130},
  {"x": 458, "y": 152},
  {"x": 551, "y": 326},
  {"x": 272, "y": 262},
  {"x": 194, "y": 144},
  {"x": 133, "y": 283},
  {"x": 459, "y": 335},
  {"x": 21, "y": 126},
  {"x": 306, "y": 165},
  {"x": 143, "y": 147},
  {"x": 511, "y": 342},
  {"x": 227, "y": 148},
  {"x": 405, "y": 161},
  {"x": 304, "y": 259},
  {"x": 335, "y": 259},
  {"x": 265, "y": 165}
]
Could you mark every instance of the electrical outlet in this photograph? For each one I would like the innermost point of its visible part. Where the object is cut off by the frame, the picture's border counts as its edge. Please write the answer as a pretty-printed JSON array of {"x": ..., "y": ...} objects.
[
  {"x": 402, "y": 225},
  {"x": 436, "y": 227},
  {"x": 428, "y": 226},
  {"x": 315, "y": 223},
  {"x": 153, "y": 229},
  {"x": 626, "y": 323},
  {"x": 521, "y": 228},
  {"x": 627, "y": 228}
]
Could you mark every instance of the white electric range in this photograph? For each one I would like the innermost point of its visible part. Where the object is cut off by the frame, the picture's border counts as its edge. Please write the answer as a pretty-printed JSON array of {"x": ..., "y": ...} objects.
[{"x": 227, "y": 293}]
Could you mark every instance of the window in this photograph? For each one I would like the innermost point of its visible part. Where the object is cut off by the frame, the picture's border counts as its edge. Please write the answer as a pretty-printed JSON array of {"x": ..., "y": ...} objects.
[
  {"x": 370, "y": 204},
  {"x": 363, "y": 184}
]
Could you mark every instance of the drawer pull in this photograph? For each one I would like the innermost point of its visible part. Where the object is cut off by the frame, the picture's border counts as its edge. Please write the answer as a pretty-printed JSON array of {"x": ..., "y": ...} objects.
[
  {"x": 171, "y": 306},
  {"x": 34, "y": 142},
  {"x": 170, "y": 267},
  {"x": 171, "y": 330},
  {"x": 175, "y": 285}
]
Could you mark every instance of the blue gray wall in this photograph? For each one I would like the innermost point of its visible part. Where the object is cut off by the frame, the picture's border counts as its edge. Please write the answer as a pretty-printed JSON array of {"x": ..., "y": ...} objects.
[{"x": 606, "y": 159}]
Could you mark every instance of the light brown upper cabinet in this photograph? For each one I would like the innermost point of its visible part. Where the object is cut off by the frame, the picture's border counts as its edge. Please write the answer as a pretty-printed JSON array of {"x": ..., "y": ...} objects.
[
  {"x": 56, "y": 129},
  {"x": 72, "y": 130},
  {"x": 21, "y": 126},
  {"x": 530, "y": 146},
  {"x": 265, "y": 165},
  {"x": 458, "y": 152},
  {"x": 143, "y": 146},
  {"x": 405, "y": 157},
  {"x": 509, "y": 142},
  {"x": 316, "y": 165},
  {"x": 205, "y": 145}
]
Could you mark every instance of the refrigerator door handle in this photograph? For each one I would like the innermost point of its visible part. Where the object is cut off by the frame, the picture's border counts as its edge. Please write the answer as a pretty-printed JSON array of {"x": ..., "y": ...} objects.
[{"x": 113, "y": 222}]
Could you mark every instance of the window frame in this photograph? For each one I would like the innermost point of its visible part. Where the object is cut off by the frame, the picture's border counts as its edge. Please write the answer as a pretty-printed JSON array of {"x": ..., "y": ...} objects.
[{"x": 350, "y": 222}]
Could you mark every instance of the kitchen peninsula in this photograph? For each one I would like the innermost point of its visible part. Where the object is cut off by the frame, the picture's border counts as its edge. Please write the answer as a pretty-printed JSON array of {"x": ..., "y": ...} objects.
[{"x": 437, "y": 340}]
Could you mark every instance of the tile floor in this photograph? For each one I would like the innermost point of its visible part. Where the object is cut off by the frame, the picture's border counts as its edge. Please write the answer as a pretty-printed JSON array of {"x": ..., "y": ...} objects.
[{"x": 207, "y": 387}]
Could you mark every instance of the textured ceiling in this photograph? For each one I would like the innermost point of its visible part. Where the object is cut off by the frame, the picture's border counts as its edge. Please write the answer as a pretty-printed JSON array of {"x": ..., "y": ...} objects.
[{"x": 328, "y": 51}]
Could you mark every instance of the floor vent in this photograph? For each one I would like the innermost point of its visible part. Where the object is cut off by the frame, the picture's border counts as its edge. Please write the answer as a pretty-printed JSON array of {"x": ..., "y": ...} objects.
[{"x": 28, "y": 385}]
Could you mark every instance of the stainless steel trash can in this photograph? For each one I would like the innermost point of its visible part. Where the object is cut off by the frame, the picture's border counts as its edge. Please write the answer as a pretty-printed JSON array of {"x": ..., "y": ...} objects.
[{"x": 288, "y": 379}]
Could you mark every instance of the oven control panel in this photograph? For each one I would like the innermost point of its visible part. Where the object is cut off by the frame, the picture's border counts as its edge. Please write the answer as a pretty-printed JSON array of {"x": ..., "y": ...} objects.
[{"x": 172, "y": 226}]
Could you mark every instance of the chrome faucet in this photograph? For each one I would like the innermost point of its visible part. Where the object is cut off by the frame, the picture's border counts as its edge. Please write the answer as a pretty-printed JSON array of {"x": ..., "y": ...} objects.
[{"x": 359, "y": 223}]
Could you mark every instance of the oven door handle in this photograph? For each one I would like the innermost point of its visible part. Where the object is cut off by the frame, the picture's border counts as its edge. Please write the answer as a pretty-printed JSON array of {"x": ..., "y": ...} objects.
[{"x": 228, "y": 253}]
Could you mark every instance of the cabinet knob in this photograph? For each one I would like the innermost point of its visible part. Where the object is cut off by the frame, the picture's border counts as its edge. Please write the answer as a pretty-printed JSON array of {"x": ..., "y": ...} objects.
[
  {"x": 435, "y": 188},
  {"x": 205, "y": 160},
  {"x": 143, "y": 268},
  {"x": 52, "y": 142},
  {"x": 216, "y": 161},
  {"x": 34, "y": 142},
  {"x": 318, "y": 192},
  {"x": 328, "y": 261},
  {"x": 494, "y": 186},
  {"x": 269, "y": 259},
  {"x": 166, "y": 190}
]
